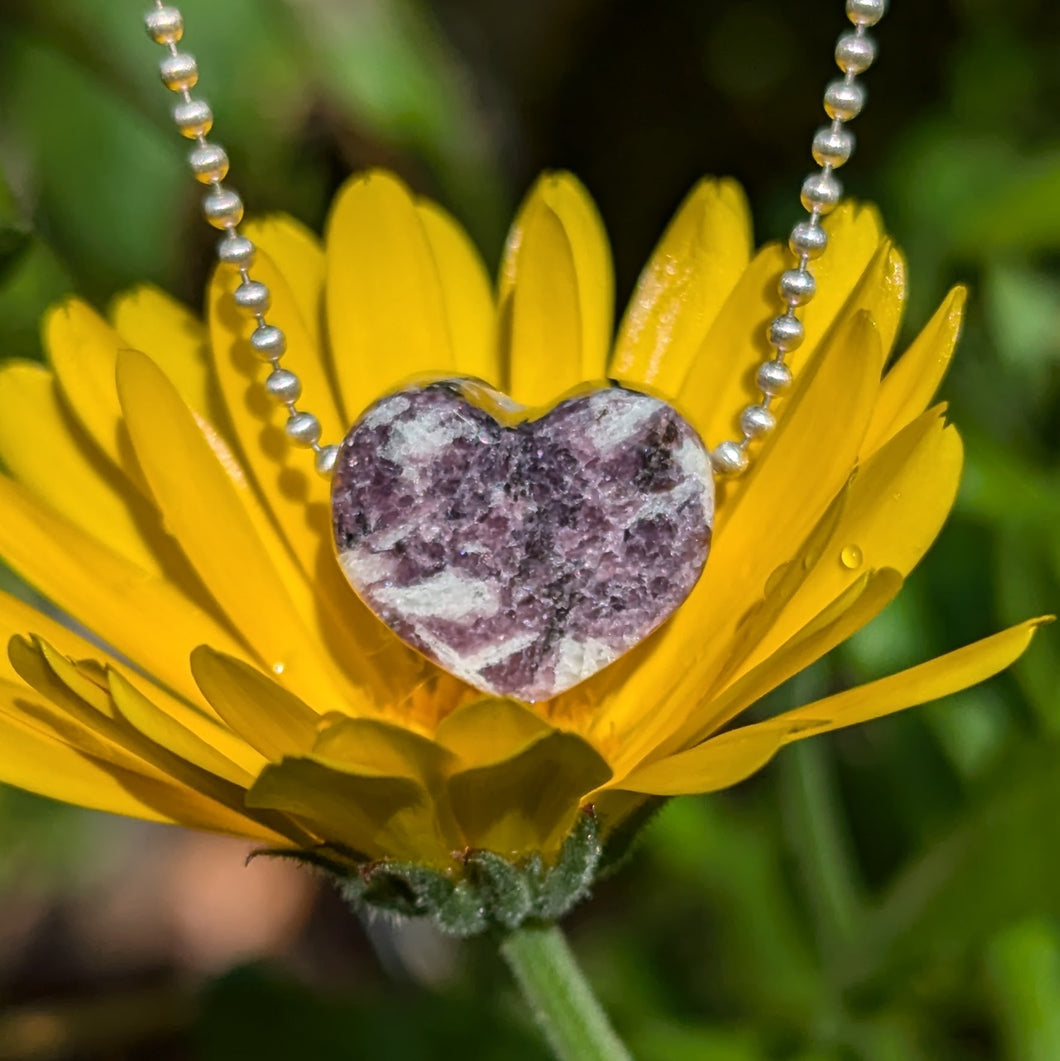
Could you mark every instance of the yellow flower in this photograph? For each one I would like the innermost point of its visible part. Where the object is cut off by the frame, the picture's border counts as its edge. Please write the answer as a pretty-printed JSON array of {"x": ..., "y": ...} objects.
[{"x": 227, "y": 678}]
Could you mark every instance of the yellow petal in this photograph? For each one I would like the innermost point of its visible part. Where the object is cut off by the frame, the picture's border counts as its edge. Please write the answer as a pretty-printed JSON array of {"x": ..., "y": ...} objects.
[
  {"x": 691, "y": 273},
  {"x": 83, "y": 350},
  {"x": 734, "y": 755},
  {"x": 528, "y": 802},
  {"x": 881, "y": 293},
  {"x": 45, "y": 450},
  {"x": 53, "y": 720},
  {"x": 861, "y": 272},
  {"x": 385, "y": 311},
  {"x": 18, "y": 617},
  {"x": 556, "y": 293},
  {"x": 371, "y": 747},
  {"x": 466, "y": 294},
  {"x": 144, "y": 618},
  {"x": 849, "y": 612},
  {"x": 206, "y": 506},
  {"x": 575, "y": 208},
  {"x": 149, "y": 320},
  {"x": 297, "y": 253},
  {"x": 885, "y": 518},
  {"x": 82, "y": 724},
  {"x": 33, "y": 761},
  {"x": 911, "y": 382},
  {"x": 938, "y": 677},
  {"x": 490, "y": 731},
  {"x": 804, "y": 449},
  {"x": 258, "y": 419},
  {"x": 800, "y": 470},
  {"x": 721, "y": 379},
  {"x": 121, "y": 744},
  {"x": 713, "y": 765},
  {"x": 55, "y": 678},
  {"x": 177, "y": 738},
  {"x": 106, "y": 688},
  {"x": 890, "y": 514},
  {"x": 85, "y": 678},
  {"x": 298, "y": 498},
  {"x": 373, "y": 816},
  {"x": 263, "y": 713}
]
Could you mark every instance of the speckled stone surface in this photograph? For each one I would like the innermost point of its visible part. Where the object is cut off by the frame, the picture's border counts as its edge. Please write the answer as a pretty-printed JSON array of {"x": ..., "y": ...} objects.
[{"x": 524, "y": 557}]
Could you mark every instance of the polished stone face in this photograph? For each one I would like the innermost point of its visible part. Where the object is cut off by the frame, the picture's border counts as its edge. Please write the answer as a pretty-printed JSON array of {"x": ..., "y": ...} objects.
[{"x": 522, "y": 556}]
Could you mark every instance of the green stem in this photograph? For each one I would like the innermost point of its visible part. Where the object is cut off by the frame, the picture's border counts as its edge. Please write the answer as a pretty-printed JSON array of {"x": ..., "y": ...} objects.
[
  {"x": 562, "y": 1001},
  {"x": 822, "y": 848}
]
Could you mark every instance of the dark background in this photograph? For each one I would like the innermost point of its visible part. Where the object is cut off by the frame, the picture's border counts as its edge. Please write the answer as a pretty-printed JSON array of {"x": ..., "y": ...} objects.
[{"x": 888, "y": 893}]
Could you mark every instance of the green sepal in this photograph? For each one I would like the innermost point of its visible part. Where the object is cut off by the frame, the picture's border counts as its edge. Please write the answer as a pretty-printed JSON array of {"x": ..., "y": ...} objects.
[
  {"x": 568, "y": 882},
  {"x": 508, "y": 890},
  {"x": 622, "y": 840},
  {"x": 310, "y": 859},
  {"x": 402, "y": 889},
  {"x": 482, "y": 892}
]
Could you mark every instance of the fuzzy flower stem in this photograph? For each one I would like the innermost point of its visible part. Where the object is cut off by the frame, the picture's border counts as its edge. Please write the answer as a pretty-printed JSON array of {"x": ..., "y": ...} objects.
[{"x": 563, "y": 1004}]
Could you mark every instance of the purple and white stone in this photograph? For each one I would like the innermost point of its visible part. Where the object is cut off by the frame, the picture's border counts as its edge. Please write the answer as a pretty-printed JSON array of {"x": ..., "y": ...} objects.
[{"x": 522, "y": 556}]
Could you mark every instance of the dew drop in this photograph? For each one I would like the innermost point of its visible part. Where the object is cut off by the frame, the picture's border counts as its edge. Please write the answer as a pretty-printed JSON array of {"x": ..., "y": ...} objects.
[
  {"x": 279, "y": 668},
  {"x": 850, "y": 557}
]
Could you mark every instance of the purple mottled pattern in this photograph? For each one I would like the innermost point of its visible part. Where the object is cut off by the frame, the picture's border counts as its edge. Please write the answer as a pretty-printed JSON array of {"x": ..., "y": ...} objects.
[{"x": 522, "y": 558}]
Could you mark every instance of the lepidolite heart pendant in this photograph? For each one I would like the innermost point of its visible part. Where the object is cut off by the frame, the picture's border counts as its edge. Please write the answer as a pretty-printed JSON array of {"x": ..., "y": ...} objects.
[{"x": 521, "y": 555}]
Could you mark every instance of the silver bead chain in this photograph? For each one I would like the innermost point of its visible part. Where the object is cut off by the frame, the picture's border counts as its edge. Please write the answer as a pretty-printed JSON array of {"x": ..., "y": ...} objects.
[
  {"x": 833, "y": 145},
  {"x": 224, "y": 210}
]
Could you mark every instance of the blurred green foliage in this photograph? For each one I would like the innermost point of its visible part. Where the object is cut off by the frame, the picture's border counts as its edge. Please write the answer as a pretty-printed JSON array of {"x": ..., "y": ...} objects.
[{"x": 889, "y": 893}]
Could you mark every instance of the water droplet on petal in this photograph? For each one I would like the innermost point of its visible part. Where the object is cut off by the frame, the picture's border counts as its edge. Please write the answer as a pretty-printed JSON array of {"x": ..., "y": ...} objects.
[
  {"x": 850, "y": 557},
  {"x": 279, "y": 668}
]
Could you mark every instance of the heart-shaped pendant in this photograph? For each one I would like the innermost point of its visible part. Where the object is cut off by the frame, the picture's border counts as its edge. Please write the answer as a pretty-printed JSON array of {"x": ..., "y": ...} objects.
[{"x": 521, "y": 555}]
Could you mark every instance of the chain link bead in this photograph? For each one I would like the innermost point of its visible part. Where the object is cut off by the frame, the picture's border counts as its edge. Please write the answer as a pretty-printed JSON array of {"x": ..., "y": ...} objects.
[
  {"x": 303, "y": 429},
  {"x": 774, "y": 378},
  {"x": 236, "y": 250},
  {"x": 757, "y": 420},
  {"x": 193, "y": 117},
  {"x": 844, "y": 100},
  {"x": 223, "y": 208},
  {"x": 326, "y": 459},
  {"x": 785, "y": 333},
  {"x": 284, "y": 386},
  {"x": 808, "y": 240},
  {"x": 855, "y": 53},
  {"x": 866, "y": 12},
  {"x": 832, "y": 146},
  {"x": 797, "y": 286},
  {"x": 269, "y": 342},
  {"x": 821, "y": 192},
  {"x": 165, "y": 25},
  {"x": 209, "y": 163},
  {"x": 179, "y": 72},
  {"x": 253, "y": 297},
  {"x": 729, "y": 458}
]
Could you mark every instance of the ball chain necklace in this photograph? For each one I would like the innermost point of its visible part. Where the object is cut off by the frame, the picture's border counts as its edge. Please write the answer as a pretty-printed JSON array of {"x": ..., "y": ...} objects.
[{"x": 524, "y": 550}]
